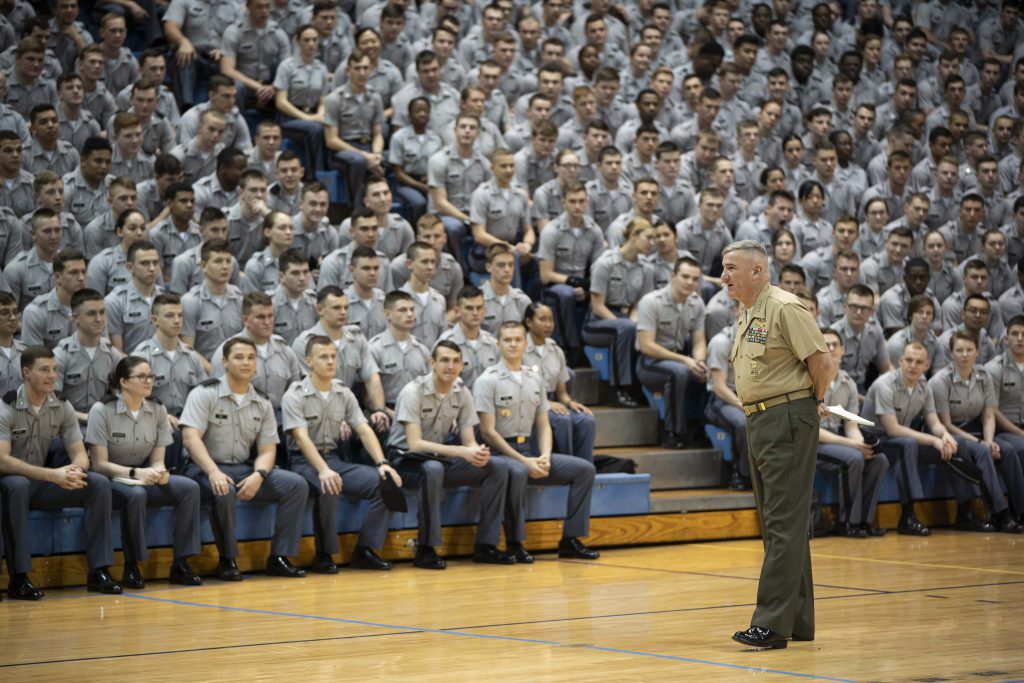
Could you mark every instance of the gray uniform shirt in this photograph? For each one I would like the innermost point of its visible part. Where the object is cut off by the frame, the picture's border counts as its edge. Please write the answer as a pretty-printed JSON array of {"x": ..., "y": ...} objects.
[
  {"x": 128, "y": 314},
  {"x": 861, "y": 349},
  {"x": 10, "y": 367},
  {"x": 175, "y": 373},
  {"x": 515, "y": 399},
  {"x": 477, "y": 355},
  {"x": 499, "y": 309},
  {"x": 572, "y": 250},
  {"x": 304, "y": 83},
  {"x": 277, "y": 366},
  {"x": 447, "y": 277},
  {"x": 842, "y": 391},
  {"x": 129, "y": 439},
  {"x": 257, "y": 51},
  {"x": 398, "y": 366},
  {"x": 291, "y": 316},
  {"x": 412, "y": 151},
  {"x": 549, "y": 361},
  {"x": 671, "y": 322},
  {"x": 964, "y": 400},
  {"x": 303, "y": 406},
  {"x": 438, "y": 415},
  {"x": 28, "y": 276},
  {"x": 354, "y": 364},
  {"x": 170, "y": 242},
  {"x": 504, "y": 212},
  {"x": 430, "y": 314},
  {"x": 229, "y": 429},
  {"x": 458, "y": 176},
  {"x": 83, "y": 378},
  {"x": 888, "y": 395},
  {"x": 621, "y": 282},
  {"x": 367, "y": 314},
  {"x": 720, "y": 357},
  {"x": 46, "y": 321},
  {"x": 705, "y": 245},
  {"x": 1008, "y": 376},
  {"x": 210, "y": 320},
  {"x": 354, "y": 115},
  {"x": 30, "y": 432}
]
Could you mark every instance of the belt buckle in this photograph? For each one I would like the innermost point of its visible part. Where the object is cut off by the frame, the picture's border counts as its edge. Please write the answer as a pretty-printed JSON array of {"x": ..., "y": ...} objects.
[
  {"x": 520, "y": 439},
  {"x": 761, "y": 405}
]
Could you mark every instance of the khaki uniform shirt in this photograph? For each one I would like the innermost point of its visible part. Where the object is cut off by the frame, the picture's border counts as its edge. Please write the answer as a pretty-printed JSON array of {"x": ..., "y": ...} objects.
[
  {"x": 477, "y": 355},
  {"x": 515, "y": 402},
  {"x": 773, "y": 339},
  {"x": 398, "y": 367}
]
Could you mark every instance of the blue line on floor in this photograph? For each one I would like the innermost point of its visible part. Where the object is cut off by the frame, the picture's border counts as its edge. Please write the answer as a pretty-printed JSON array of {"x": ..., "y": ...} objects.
[{"x": 468, "y": 634}]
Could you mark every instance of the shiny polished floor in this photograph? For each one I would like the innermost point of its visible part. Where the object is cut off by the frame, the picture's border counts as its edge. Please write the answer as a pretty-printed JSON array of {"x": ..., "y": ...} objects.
[{"x": 944, "y": 608}]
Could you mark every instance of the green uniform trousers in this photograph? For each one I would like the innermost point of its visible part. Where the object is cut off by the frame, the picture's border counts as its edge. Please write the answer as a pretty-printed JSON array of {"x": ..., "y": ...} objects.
[{"x": 783, "y": 444}]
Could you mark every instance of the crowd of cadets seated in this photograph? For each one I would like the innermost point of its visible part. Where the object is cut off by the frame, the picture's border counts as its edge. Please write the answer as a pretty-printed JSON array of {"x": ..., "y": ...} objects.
[{"x": 590, "y": 156}]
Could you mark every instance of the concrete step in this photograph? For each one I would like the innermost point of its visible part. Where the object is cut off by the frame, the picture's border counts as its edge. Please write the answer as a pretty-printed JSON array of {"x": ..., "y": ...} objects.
[
  {"x": 675, "y": 469},
  {"x": 625, "y": 427},
  {"x": 587, "y": 387},
  {"x": 700, "y": 500}
]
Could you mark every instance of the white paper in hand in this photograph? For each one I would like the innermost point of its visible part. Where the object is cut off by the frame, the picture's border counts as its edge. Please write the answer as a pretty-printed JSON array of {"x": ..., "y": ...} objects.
[
  {"x": 129, "y": 481},
  {"x": 841, "y": 412}
]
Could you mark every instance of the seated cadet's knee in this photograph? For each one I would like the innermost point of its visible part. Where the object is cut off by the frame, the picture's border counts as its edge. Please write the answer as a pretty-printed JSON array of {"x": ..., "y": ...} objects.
[
  {"x": 585, "y": 471},
  {"x": 501, "y": 467},
  {"x": 131, "y": 497},
  {"x": 291, "y": 484},
  {"x": 15, "y": 487},
  {"x": 431, "y": 473},
  {"x": 881, "y": 460},
  {"x": 517, "y": 472},
  {"x": 98, "y": 483}
]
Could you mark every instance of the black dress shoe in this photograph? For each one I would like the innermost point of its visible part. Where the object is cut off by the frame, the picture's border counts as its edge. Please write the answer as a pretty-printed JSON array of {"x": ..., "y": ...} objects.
[
  {"x": 761, "y": 637},
  {"x": 520, "y": 554},
  {"x": 427, "y": 558},
  {"x": 870, "y": 531},
  {"x": 1008, "y": 525},
  {"x": 20, "y": 588},
  {"x": 227, "y": 570},
  {"x": 850, "y": 530},
  {"x": 622, "y": 399},
  {"x": 323, "y": 563},
  {"x": 278, "y": 565},
  {"x": 367, "y": 558},
  {"x": 572, "y": 548},
  {"x": 132, "y": 577},
  {"x": 971, "y": 522},
  {"x": 911, "y": 526},
  {"x": 737, "y": 482},
  {"x": 100, "y": 581},
  {"x": 489, "y": 554},
  {"x": 801, "y": 639},
  {"x": 182, "y": 574},
  {"x": 673, "y": 441}
]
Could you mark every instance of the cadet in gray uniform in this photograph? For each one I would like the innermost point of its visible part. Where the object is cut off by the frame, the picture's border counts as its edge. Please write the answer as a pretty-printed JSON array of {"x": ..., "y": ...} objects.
[
  {"x": 213, "y": 309},
  {"x": 10, "y": 348},
  {"x": 619, "y": 278},
  {"x": 448, "y": 279},
  {"x": 860, "y": 468},
  {"x": 920, "y": 314},
  {"x": 33, "y": 477},
  {"x": 569, "y": 245},
  {"x": 573, "y": 426},
  {"x": 512, "y": 404},
  {"x": 129, "y": 321},
  {"x": 224, "y": 424},
  {"x": 30, "y": 273},
  {"x": 294, "y": 303},
  {"x": 277, "y": 366},
  {"x": 400, "y": 356},
  {"x": 432, "y": 440},
  {"x": 479, "y": 347},
  {"x": 502, "y": 301},
  {"x": 186, "y": 269},
  {"x": 334, "y": 268},
  {"x": 965, "y": 401},
  {"x": 1007, "y": 372},
  {"x": 109, "y": 268},
  {"x": 178, "y": 232},
  {"x": 431, "y": 308},
  {"x": 47, "y": 319},
  {"x": 668, "y": 321},
  {"x": 862, "y": 337},
  {"x": 724, "y": 408},
  {"x": 365, "y": 299},
  {"x": 500, "y": 212},
  {"x": 127, "y": 435},
  {"x": 315, "y": 411},
  {"x": 86, "y": 358}
]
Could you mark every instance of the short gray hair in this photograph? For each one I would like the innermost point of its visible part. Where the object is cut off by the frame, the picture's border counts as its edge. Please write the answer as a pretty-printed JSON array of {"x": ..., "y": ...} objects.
[{"x": 746, "y": 245}]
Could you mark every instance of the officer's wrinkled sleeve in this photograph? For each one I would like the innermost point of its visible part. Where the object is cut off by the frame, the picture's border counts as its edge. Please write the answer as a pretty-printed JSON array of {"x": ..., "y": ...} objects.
[{"x": 800, "y": 331}]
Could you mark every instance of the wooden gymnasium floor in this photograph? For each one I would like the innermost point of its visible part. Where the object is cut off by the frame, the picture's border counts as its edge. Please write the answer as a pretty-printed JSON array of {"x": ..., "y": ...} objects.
[{"x": 945, "y": 608}]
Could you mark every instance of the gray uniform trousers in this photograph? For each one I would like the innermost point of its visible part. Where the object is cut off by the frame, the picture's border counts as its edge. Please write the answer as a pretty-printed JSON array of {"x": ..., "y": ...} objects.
[
  {"x": 132, "y": 501},
  {"x": 357, "y": 481},
  {"x": 1011, "y": 468},
  {"x": 565, "y": 469},
  {"x": 431, "y": 476},
  {"x": 783, "y": 442},
  {"x": 731, "y": 419},
  {"x": 287, "y": 489},
  {"x": 619, "y": 337},
  {"x": 22, "y": 494},
  {"x": 573, "y": 434},
  {"x": 684, "y": 394},
  {"x": 860, "y": 480}
]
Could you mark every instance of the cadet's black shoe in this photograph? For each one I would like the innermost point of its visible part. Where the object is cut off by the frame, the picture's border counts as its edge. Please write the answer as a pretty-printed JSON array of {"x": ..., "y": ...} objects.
[
  {"x": 227, "y": 570},
  {"x": 427, "y": 558},
  {"x": 622, "y": 399},
  {"x": 132, "y": 577},
  {"x": 850, "y": 530},
  {"x": 1008, "y": 525},
  {"x": 969, "y": 521},
  {"x": 182, "y": 574},
  {"x": 801, "y": 639},
  {"x": 761, "y": 637},
  {"x": 520, "y": 554},
  {"x": 323, "y": 563},
  {"x": 100, "y": 581},
  {"x": 870, "y": 531},
  {"x": 489, "y": 554},
  {"x": 278, "y": 565},
  {"x": 366, "y": 558},
  {"x": 911, "y": 526},
  {"x": 20, "y": 588},
  {"x": 570, "y": 547},
  {"x": 737, "y": 482},
  {"x": 673, "y": 441}
]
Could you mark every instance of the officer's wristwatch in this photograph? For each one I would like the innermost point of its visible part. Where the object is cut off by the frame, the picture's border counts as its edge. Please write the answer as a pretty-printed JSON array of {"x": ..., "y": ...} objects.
[{"x": 820, "y": 401}]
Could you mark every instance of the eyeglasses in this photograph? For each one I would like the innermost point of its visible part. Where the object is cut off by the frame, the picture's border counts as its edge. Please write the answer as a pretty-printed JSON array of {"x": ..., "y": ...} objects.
[
  {"x": 858, "y": 308},
  {"x": 8, "y": 313},
  {"x": 143, "y": 378}
]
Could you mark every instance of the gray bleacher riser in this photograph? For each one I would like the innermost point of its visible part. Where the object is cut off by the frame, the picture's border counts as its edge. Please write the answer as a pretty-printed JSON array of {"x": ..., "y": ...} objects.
[
  {"x": 689, "y": 469},
  {"x": 587, "y": 387},
  {"x": 737, "y": 500},
  {"x": 626, "y": 427}
]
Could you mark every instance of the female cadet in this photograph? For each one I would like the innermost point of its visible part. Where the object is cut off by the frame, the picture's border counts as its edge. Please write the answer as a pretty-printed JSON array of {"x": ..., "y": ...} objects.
[
  {"x": 966, "y": 398},
  {"x": 618, "y": 280},
  {"x": 920, "y": 315},
  {"x": 783, "y": 252},
  {"x": 301, "y": 85},
  {"x": 572, "y": 424},
  {"x": 261, "y": 271},
  {"x": 811, "y": 230},
  {"x": 127, "y": 434}
]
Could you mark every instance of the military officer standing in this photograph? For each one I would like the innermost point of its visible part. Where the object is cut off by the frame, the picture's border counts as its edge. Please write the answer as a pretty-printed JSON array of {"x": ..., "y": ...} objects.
[
  {"x": 782, "y": 368},
  {"x": 223, "y": 422},
  {"x": 314, "y": 412}
]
